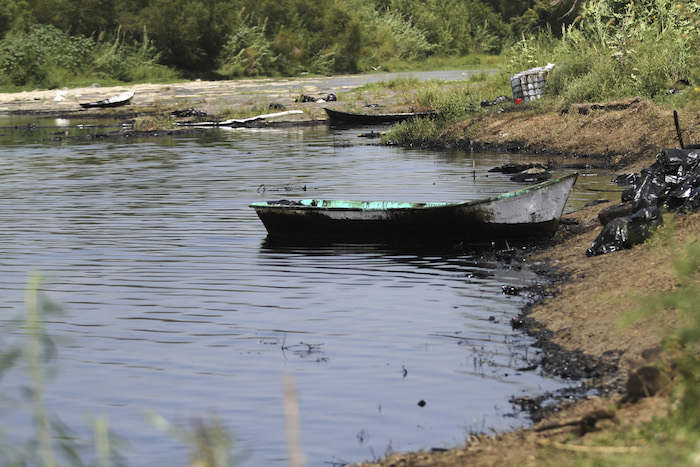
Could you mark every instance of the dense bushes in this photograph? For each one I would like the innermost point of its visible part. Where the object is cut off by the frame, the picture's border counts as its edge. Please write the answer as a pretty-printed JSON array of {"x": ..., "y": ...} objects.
[
  {"x": 618, "y": 49},
  {"x": 603, "y": 48},
  {"x": 228, "y": 38},
  {"x": 45, "y": 56}
]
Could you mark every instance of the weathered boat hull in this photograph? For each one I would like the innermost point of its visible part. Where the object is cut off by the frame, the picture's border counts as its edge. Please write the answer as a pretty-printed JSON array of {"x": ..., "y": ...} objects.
[
  {"x": 531, "y": 212},
  {"x": 337, "y": 117},
  {"x": 116, "y": 101}
]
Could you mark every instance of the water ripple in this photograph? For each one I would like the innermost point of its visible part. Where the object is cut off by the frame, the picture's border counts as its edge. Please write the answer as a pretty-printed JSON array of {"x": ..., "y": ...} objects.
[{"x": 172, "y": 300}]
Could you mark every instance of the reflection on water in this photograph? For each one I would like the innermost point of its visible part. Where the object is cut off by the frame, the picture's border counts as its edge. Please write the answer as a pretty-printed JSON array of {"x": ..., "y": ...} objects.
[{"x": 174, "y": 301}]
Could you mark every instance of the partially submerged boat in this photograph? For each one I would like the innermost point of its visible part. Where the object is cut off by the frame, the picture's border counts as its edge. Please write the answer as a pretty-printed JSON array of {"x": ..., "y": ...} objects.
[
  {"x": 115, "y": 101},
  {"x": 530, "y": 212},
  {"x": 337, "y": 117}
]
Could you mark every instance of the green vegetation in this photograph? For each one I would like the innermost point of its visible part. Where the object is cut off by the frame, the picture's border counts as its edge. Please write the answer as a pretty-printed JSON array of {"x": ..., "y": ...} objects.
[
  {"x": 616, "y": 49},
  {"x": 613, "y": 49},
  {"x": 50, "y": 43},
  {"x": 603, "y": 48},
  {"x": 47, "y": 57},
  {"x": 674, "y": 438}
]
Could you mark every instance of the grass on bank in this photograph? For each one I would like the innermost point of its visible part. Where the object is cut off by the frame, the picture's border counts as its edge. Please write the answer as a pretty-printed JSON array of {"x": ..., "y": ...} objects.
[
  {"x": 674, "y": 437},
  {"x": 641, "y": 49}
]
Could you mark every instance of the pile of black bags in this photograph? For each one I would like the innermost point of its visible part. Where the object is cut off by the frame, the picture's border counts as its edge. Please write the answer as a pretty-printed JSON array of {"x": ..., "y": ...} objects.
[{"x": 672, "y": 182}]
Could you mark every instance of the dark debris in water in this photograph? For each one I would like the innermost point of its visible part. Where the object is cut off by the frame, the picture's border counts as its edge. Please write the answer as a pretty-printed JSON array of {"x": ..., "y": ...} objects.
[
  {"x": 584, "y": 374},
  {"x": 142, "y": 134},
  {"x": 515, "y": 167},
  {"x": 587, "y": 373},
  {"x": 28, "y": 127},
  {"x": 511, "y": 290},
  {"x": 528, "y": 172}
]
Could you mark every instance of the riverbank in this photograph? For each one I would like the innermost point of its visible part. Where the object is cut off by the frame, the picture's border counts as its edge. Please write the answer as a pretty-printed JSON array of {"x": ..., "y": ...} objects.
[
  {"x": 220, "y": 100},
  {"x": 590, "y": 296}
]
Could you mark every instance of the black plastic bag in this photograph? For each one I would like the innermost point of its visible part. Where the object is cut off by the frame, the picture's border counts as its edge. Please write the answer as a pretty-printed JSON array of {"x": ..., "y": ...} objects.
[
  {"x": 650, "y": 188},
  {"x": 625, "y": 232}
]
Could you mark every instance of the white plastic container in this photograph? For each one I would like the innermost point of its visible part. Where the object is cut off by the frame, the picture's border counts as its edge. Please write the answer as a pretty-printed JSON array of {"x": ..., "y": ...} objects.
[{"x": 530, "y": 84}]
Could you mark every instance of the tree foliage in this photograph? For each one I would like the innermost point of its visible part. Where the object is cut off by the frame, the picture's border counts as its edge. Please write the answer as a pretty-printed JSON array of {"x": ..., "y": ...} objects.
[
  {"x": 252, "y": 37},
  {"x": 128, "y": 39}
]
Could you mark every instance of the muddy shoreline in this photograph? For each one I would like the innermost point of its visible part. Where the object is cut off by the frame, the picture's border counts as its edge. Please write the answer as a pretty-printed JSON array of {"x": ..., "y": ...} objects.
[{"x": 574, "y": 319}]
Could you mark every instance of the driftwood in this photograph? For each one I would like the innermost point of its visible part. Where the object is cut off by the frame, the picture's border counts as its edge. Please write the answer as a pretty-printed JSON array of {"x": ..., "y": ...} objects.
[
  {"x": 242, "y": 121},
  {"x": 584, "y": 109}
]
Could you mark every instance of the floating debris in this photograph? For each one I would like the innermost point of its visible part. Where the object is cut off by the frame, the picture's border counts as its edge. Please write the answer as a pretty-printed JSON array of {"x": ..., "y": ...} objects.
[
  {"x": 535, "y": 174},
  {"x": 511, "y": 290},
  {"x": 28, "y": 127},
  {"x": 372, "y": 134},
  {"x": 305, "y": 98},
  {"x": 288, "y": 187},
  {"x": 515, "y": 167}
]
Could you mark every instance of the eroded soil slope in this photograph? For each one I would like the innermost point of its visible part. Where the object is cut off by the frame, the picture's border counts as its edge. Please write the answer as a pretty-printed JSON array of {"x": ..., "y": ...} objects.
[{"x": 595, "y": 292}]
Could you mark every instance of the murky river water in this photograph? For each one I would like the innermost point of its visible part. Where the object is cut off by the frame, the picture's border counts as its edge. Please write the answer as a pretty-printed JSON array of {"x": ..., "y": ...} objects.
[{"x": 173, "y": 303}]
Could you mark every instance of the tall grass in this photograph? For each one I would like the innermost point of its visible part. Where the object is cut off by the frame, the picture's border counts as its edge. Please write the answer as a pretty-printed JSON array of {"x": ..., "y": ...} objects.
[
  {"x": 681, "y": 341},
  {"x": 452, "y": 102},
  {"x": 673, "y": 438},
  {"x": 617, "y": 49}
]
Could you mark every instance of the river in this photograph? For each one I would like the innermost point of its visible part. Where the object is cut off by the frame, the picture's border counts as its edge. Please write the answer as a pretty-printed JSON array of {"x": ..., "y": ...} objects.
[{"x": 172, "y": 303}]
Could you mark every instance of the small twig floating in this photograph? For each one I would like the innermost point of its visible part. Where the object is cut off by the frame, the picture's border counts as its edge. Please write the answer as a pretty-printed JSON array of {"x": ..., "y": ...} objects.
[{"x": 288, "y": 187}]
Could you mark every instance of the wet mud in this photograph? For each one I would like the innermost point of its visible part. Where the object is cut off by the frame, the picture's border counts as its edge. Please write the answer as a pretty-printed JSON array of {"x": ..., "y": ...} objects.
[{"x": 583, "y": 374}]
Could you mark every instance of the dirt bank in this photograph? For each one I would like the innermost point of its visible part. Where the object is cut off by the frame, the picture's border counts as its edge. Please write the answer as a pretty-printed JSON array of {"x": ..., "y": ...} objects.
[
  {"x": 219, "y": 100},
  {"x": 592, "y": 293}
]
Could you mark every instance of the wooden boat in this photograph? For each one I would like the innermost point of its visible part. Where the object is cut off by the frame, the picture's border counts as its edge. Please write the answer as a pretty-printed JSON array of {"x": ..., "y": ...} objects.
[
  {"x": 336, "y": 117},
  {"x": 115, "y": 101},
  {"x": 530, "y": 212}
]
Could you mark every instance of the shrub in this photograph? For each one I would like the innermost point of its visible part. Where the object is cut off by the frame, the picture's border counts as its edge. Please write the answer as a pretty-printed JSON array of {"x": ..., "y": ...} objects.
[
  {"x": 46, "y": 57},
  {"x": 617, "y": 49},
  {"x": 128, "y": 61},
  {"x": 35, "y": 56},
  {"x": 248, "y": 52}
]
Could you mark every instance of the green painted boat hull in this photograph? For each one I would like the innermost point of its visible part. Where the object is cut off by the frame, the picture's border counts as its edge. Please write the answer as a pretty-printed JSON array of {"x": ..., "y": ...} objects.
[{"x": 531, "y": 212}]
